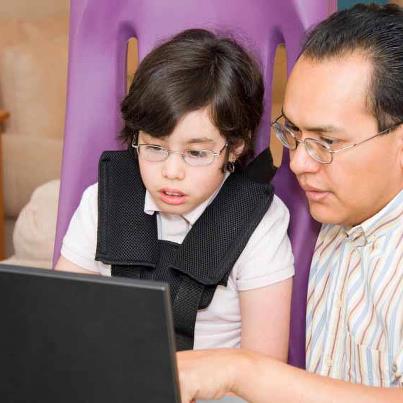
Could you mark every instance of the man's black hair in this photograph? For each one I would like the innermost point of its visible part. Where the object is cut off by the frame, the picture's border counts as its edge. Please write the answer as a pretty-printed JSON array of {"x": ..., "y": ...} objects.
[{"x": 377, "y": 32}]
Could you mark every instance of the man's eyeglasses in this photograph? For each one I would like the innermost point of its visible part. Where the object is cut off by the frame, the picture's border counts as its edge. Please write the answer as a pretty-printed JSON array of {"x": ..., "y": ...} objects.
[
  {"x": 194, "y": 158},
  {"x": 317, "y": 149}
]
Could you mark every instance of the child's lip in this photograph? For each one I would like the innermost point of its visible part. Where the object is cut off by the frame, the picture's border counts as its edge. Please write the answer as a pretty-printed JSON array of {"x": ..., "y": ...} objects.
[
  {"x": 172, "y": 197},
  {"x": 172, "y": 191}
]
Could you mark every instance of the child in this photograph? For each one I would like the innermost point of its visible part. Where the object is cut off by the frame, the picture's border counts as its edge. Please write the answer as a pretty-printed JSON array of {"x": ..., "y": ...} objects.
[{"x": 171, "y": 209}]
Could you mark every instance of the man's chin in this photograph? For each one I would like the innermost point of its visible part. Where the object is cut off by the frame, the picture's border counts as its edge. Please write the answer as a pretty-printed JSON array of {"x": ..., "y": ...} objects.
[{"x": 323, "y": 215}]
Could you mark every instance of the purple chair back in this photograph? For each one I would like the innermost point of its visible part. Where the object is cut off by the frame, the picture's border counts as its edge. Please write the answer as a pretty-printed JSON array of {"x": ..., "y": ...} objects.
[{"x": 99, "y": 31}]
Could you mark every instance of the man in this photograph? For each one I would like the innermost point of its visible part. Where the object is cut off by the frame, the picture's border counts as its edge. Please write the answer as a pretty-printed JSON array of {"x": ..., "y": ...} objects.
[{"x": 342, "y": 121}]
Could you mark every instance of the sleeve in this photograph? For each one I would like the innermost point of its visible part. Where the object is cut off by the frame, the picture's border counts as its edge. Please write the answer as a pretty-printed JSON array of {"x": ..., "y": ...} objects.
[
  {"x": 267, "y": 257},
  {"x": 397, "y": 366},
  {"x": 80, "y": 241}
]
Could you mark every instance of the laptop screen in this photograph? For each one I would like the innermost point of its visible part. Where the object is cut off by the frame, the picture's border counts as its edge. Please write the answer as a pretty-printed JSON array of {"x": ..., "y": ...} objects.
[{"x": 68, "y": 337}]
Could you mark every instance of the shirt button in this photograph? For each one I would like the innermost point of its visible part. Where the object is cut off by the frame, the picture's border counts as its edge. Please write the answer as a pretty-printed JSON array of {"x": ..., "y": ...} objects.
[{"x": 329, "y": 362}]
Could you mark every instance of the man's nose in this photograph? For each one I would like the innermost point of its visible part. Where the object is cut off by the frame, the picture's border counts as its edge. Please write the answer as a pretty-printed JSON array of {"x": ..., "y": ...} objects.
[
  {"x": 301, "y": 162},
  {"x": 174, "y": 166}
]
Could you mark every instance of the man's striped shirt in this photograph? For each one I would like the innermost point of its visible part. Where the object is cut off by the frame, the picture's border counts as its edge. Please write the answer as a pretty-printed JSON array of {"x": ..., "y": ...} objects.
[{"x": 355, "y": 300}]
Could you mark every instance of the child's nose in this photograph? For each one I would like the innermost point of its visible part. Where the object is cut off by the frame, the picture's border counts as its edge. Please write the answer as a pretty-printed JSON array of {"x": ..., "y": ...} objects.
[{"x": 174, "y": 167}]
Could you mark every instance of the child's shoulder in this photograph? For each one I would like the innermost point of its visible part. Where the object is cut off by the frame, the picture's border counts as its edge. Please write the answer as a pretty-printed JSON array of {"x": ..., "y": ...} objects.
[
  {"x": 276, "y": 219},
  {"x": 91, "y": 191},
  {"x": 278, "y": 209},
  {"x": 90, "y": 196}
]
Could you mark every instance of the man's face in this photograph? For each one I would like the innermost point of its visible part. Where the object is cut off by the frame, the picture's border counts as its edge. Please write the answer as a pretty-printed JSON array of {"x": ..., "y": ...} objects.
[{"x": 328, "y": 100}]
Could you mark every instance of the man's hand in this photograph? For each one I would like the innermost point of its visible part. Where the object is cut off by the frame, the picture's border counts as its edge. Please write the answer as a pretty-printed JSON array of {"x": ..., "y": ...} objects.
[
  {"x": 212, "y": 374},
  {"x": 209, "y": 374}
]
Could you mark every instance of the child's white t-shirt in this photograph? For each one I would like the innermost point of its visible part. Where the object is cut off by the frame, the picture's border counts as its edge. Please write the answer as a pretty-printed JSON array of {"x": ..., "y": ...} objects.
[{"x": 266, "y": 259}]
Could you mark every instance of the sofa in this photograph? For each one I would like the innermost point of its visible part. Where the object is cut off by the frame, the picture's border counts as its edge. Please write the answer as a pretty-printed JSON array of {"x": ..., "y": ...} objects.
[{"x": 33, "y": 72}]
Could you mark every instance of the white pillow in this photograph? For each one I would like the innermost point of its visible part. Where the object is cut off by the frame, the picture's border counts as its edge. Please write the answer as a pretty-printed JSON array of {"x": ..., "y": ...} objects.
[
  {"x": 35, "y": 228},
  {"x": 27, "y": 163}
]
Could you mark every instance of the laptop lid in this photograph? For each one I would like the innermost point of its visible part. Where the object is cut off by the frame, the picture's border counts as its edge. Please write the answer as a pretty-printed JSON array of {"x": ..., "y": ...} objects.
[{"x": 67, "y": 337}]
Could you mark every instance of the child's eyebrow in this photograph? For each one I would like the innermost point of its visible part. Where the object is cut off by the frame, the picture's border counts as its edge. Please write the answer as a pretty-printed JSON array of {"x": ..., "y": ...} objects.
[{"x": 200, "y": 140}]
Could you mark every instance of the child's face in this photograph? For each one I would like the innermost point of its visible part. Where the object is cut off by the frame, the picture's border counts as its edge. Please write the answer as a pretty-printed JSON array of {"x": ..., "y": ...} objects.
[{"x": 176, "y": 186}]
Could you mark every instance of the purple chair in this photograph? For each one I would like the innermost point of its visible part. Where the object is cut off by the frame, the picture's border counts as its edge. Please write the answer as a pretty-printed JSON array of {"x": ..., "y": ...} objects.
[{"x": 99, "y": 31}]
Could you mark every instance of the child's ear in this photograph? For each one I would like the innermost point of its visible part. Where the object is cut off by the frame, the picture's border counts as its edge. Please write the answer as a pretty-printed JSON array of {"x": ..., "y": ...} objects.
[{"x": 236, "y": 150}]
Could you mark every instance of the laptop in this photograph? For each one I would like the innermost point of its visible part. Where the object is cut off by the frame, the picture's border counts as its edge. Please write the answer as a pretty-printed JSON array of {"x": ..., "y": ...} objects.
[{"x": 68, "y": 337}]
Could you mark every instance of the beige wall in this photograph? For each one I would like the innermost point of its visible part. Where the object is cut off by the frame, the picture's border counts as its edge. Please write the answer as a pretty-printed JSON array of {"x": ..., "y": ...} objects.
[{"x": 32, "y": 8}]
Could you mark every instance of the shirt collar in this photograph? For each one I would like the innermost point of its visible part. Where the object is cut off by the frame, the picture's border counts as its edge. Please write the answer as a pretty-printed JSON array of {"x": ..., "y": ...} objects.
[
  {"x": 379, "y": 223},
  {"x": 150, "y": 207}
]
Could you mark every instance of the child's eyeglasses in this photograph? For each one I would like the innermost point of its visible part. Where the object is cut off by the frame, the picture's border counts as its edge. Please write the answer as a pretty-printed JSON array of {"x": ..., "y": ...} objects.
[{"x": 194, "y": 158}]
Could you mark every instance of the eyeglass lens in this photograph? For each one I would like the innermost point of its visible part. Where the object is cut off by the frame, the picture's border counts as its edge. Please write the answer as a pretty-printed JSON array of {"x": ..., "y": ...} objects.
[
  {"x": 314, "y": 148},
  {"x": 192, "y": 157}
]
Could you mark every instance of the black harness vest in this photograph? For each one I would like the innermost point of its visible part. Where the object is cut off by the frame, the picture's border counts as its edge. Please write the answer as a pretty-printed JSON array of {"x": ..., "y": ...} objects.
[{"x": 127, "y": 237}]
